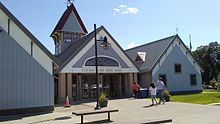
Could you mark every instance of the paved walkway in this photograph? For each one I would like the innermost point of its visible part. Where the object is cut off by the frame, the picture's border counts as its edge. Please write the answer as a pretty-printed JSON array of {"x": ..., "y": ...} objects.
[{"x": 131, "y": 111}]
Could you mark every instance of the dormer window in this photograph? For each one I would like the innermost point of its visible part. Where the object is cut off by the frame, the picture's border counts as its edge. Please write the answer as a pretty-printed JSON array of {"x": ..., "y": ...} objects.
[
  {"x": 71, "y": 37},
  {"x": 140, "y": 57}
]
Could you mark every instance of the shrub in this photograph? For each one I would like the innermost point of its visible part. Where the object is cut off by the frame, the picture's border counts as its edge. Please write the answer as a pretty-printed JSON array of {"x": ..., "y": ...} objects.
[
  {"x": 217, "y": 85},
  {"x": 166, "y": 95},
  {"x": 213, "y": 83},
  {"x": 102, "y": 97}
]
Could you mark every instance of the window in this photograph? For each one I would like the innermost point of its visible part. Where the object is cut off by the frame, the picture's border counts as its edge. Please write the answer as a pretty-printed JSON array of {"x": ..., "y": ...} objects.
[
  {"x": 57, "y": 49},
  {"x": 67, "y": 37},
  {"x": 74, "y": 86},
  {"x": 102, "y": 61},
  {"x": 70, "y": 37},
  {"x": 177, "y": 68},
  {"x": 193, "y": 79},
  {"x": 8, "y": 26},
  {"x": 31, "y": 48}
]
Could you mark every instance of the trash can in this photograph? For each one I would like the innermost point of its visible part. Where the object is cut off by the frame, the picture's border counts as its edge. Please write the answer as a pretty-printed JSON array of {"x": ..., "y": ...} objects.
[{"x": 143, "y": 93}]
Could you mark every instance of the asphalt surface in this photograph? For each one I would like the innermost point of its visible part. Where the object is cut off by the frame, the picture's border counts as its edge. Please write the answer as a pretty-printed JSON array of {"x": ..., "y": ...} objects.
[{"x": 131, "y": 111}]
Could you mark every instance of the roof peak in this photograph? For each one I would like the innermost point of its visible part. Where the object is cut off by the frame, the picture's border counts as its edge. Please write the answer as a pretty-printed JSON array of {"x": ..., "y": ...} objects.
[{"x": 71, "y": 8}]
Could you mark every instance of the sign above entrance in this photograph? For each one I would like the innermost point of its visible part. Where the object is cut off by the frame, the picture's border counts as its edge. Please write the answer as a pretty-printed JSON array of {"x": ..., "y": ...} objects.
[{"x": 102, "y": 70}]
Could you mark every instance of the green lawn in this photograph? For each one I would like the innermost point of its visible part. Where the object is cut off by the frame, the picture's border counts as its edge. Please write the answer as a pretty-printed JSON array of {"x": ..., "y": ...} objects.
[{"x": 206, "y": 97}]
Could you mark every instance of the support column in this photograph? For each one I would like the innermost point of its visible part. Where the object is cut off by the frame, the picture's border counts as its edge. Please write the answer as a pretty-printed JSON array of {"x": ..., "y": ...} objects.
[
  {"x": 61, "y": 88},
  {"x": 135, "y": 77},
  {"x": 79, "y": 86},
  {"x": 130, "y": 84},
  {"x": 120, "y": 87},
  {"x": 69, "y": 87}
]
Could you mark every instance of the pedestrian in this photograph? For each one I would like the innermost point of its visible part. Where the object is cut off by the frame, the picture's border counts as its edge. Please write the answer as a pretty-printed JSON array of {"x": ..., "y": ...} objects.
[
  {"x": 153, "y": 93},
  {"x": 136, "y": 88},
  {"x": 160, "y": 88}
]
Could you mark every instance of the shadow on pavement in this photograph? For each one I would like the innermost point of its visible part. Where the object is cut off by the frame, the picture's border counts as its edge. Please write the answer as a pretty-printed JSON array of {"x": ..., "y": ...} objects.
[
  {"x": 10, "y": 118},
  {"x": 106, "y": 121},
  {"x": 148, "y": 106},
  {"x": 63, "y": 118}
]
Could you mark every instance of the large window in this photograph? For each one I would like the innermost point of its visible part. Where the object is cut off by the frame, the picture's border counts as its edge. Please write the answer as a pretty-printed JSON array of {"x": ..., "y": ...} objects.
[
  {"x": 177, "y": 68},
  {"x": 57, "y": 49},
  {"x": 102, "y": 61},
  {"x": 193, "y": 79},
  {"x": 74, "y": 86},
  {"x": 70, "y": 37}
]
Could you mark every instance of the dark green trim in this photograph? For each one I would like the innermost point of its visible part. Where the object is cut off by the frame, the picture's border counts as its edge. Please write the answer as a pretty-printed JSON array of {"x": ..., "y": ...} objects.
[{"x": 45, "y": 109}]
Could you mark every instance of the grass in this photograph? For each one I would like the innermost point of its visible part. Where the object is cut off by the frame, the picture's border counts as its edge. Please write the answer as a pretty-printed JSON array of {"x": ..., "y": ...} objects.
[{"x": 206, "y": 97}]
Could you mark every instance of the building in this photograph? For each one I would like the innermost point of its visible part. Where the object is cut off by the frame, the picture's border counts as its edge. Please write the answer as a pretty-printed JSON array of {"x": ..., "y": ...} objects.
[
  {"x": 75, "y": 51},
  {"x": 26, "y": 69},
  {"x": 170, "y": 59},
  {"x": 30, "y": 76}
]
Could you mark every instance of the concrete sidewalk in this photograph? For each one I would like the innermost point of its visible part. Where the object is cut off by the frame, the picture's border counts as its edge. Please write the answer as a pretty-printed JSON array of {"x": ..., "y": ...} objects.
[{"x": 131, "y": 111}]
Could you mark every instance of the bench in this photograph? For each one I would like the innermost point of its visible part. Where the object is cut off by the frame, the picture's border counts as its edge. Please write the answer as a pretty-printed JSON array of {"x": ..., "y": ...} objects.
[{"x": 91, "y": 111}]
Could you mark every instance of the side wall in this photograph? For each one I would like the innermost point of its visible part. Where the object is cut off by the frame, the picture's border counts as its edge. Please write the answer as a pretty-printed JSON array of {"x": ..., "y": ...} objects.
[
  {"x": 23, "y": 40},
  {"x": 146, "y": 79},
  {"x": 24, "y": 83},
  {"x": 179, "y": 81}
]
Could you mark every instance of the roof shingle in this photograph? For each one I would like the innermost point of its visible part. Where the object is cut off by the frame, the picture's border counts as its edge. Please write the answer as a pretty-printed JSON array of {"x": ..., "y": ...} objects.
[{"x": 154, "y": 50}]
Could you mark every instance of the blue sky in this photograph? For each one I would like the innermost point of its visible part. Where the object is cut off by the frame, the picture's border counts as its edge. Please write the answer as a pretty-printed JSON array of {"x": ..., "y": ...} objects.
[{"x": 130, "y": 22}]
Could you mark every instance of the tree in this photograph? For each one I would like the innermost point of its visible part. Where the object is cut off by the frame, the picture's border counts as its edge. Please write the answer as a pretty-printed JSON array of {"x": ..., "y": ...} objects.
[{"x": 208, "y": 57}]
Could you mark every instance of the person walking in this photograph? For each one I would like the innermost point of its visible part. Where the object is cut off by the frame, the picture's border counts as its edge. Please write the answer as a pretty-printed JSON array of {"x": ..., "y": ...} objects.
[
  {"x": 160, "y": 87},
  {"x": 153, "y": 93},
  {"x": 136, "y": 88}
]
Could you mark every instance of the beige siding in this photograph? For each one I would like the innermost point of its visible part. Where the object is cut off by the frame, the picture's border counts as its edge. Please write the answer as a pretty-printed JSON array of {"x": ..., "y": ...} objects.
[{"x": 61, "y": 85}]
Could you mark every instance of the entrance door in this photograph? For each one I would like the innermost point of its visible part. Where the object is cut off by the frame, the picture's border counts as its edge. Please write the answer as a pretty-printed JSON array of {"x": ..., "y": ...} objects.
[
  {"x": 88, "y": 86},
  {"x": 74, "y": 86},
  {"x": 109, "y": 84}
]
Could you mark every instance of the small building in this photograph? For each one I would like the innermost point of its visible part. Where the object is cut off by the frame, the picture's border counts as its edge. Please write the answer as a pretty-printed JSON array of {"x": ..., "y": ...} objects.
[
  {"x": 26, "y": 69},
  {"x": 75, "y": 51},
  {"x": 170, "y": 59}
]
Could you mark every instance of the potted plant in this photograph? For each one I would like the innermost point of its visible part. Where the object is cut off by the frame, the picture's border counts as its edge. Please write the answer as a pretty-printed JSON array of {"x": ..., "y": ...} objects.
[
  {"x": 166, "y": 95},
  {"x": 103, "y": 100}
]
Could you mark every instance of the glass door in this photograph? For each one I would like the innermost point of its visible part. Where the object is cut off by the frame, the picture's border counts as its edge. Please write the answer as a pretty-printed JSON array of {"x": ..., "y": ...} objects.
[
  {"x": 88, "y": 86},
  {"x": 74, "y": 86}
]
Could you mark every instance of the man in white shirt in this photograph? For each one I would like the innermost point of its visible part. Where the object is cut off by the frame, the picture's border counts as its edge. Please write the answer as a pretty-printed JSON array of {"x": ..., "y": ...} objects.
[{"x": 160, "y": 87}]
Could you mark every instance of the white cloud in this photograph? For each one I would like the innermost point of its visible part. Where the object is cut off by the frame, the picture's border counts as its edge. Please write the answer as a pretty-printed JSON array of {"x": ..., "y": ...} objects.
[
  {"x": 124, "y": 9},
  {"x": 122, "y": 6},
  {"x": 116, "y": 9},
  {"x": 132, "y": 44},
  {"x": 132, "y": 10}
]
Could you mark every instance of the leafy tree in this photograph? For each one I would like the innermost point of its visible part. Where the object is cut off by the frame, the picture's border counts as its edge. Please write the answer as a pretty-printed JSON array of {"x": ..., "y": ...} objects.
[{"x": 208, "y": 57}]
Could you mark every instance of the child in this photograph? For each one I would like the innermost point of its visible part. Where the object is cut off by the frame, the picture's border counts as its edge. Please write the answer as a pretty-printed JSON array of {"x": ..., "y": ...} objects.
[{"x": 153, "y": 92}]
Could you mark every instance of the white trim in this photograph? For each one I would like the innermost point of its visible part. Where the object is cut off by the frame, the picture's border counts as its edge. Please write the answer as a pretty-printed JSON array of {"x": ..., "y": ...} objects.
[
  {"x": 183, "y": 49},
  {"x": 101, "y": 69},
  {"x": 131, "y": 67}
]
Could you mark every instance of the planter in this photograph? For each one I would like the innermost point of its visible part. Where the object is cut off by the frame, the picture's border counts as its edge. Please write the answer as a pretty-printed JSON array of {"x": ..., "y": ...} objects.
[
  {"x": 103, "y": 103},
  {"x": 167, "y": 98}
]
